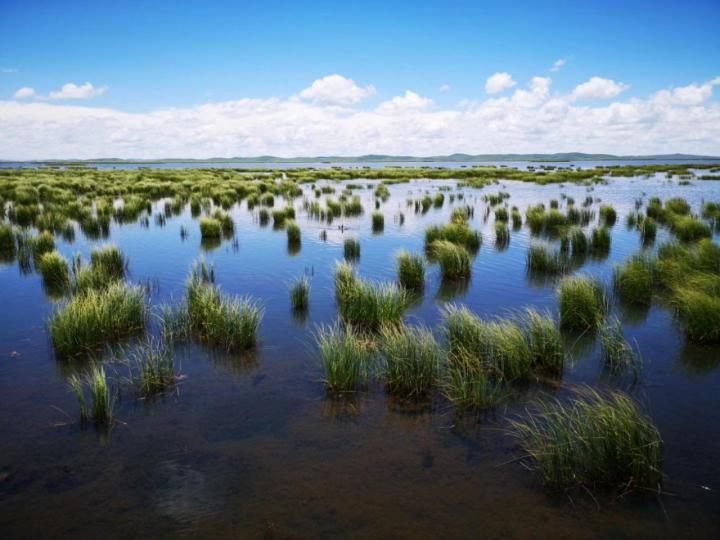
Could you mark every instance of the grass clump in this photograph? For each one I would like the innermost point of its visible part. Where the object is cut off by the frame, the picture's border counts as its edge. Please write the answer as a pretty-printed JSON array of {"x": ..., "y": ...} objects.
[
  {"x": 347, "y": 358},
  {"x": 351, "y": 249},
  {"x": 457, "y": 232},
  {"x": 109, "y": 260},
  {"x": 500, "y": 346},
  {"x": 545, "y": 342},
  {"x": 467, "y": 385},
  {"x": 690, "y": 229},
  {"x": 502, "y": 234},
  {"x": 699, "y": 312},
  {"x": 582, "y": 303},
  {"x": 411, "y": 270},
  {"x": 412, "y": 359},
  {"x": 541, "y": 260},
  {"x": 608, "y": 215},
  {"x": 94, "y": 318},
  {"x": 293, "y": 232},
  {"x": 592, "y": 441},
  {"x": 368, "y": 305},
  {"x": 155, "y": 367},
  {"x": 54, "y": 270},
  {"x": 600, "y": 241},
  {"x": 454, "y": 259},
  {"x": 618, "y": 356},
  {"x": 100, "y": 406},
  {"x": 378, "y": 222},
  {"x": 7, "y": 241},
  {"x": 633, "y": 281},
  {"x": 230, "y": 323},
  {"x": 210, "y": 228},
  {"x": 300, "y": 294}
]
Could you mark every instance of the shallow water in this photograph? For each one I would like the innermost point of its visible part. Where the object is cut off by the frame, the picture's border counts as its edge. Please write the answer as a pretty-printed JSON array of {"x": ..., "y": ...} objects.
[{"x": 252, "y": 446}]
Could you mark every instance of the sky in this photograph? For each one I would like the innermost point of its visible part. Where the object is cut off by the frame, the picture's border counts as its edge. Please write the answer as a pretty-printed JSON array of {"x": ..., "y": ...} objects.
[{"x": 206, "y": 79}]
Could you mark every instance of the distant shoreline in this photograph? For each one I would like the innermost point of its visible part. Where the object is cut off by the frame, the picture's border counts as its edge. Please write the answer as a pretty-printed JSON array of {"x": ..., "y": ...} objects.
[{"x": 467, "y": 158}]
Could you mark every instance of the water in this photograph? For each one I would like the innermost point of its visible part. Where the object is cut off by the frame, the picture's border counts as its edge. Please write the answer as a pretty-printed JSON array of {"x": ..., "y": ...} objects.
[{"x": 252, "y": 446}]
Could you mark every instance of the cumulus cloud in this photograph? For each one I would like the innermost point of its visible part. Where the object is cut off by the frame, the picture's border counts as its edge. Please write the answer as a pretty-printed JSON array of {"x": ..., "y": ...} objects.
[
  {"x": 558, "y": 65},
  {"x": 531, "y": 119},
  {"x": 74, "y": 91},
  {"x": 498, "y": 82},
  {"x": 598, "y": 88},
  {"x": 693, "y": 94},
  {"x": 411, "y": 101},
  {"x": 445, "y": 88},
  {"x": 336, "y": 90},
  {"x": 24, "y": 93}
]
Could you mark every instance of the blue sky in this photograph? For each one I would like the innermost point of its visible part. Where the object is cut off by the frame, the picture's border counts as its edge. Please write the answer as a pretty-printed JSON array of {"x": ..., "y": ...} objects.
[
  {"x": 156, "y": 54},
  {"x": 150, "y": 56}
]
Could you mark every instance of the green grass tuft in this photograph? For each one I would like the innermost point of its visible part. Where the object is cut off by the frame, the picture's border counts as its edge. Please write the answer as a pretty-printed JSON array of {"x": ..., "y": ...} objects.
[
  {"x": 411, "y": 270},
  {"x": 592, "y": 441},
  {"x": 582, "y": 301},
  {"x": 412, "y": 359}
]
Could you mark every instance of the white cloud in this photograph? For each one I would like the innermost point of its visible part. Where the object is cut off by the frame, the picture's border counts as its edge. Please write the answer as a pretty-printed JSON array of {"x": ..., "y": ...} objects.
[
  {"x": 409, "y": 102},
  {"x": 693, "y": 94},
  {"x": 336, "y": 90},
  {"x": 558, "y": 65},
  {"x": 24, "y": 93},
  {"x": 8, "y": 70},
  {"x": 498, "y": 82},
  {"x": 445, "y": 88},
  {"x": 74, "y": 91},
  {"x": 598, "y": 88},
  {"x": 532, "y": 119}
]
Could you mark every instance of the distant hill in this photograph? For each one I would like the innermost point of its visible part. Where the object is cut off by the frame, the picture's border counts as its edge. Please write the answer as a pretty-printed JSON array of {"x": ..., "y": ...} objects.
[{"x": 369, "y": 158}]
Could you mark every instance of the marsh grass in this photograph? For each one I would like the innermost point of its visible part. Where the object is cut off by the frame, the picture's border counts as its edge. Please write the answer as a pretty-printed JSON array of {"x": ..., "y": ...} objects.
[
  {"x": 499, "y": 345},
  {"x": 300, "y": 294},
  {"x": 690, "y": 229},
  {"x": 502, "y": 235},
  {"x": 351, "y": 249},
  {"x": 582, "y": 303},
  {"x": 210, "y": 229},
  {"x": 545, "y": 342},
  {"x": 7, "y": 242},
  {"x": 55, "y": 270},
  {"x": 411, "y": 270},
  {"x": 368, "y": 305},
  {"x": 594, "y": 441},
  {"x": 99, "y": 408},
  {"x": 454, "y": 259},
  {"x": 617, "y": 354},
  {"x": 456, "y": 232},
  {"x": 109, "y": 260},
  {"x": 152, "y": 367},
  {"x": 412, "y": 359},
  {"x": 541, "y": 260},
  {"x": 347, "y": 358},
  {"x": 467, "y": 385},
  {"x": 293, "y": 232},
  {"x": 227, "y": 322},
  {"x": 633, "y": 281},
  {"x": 600, "y": 242},
  {"x": 699, "y": 313},
  {"x": 378, "y": 222},
  {"x": 98, "y": 317},
  {"x": 608, "y": 215}
]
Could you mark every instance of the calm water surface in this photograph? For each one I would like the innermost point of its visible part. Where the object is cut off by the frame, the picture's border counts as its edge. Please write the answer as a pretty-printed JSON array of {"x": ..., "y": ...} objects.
[{"x": 252, "y": 447}]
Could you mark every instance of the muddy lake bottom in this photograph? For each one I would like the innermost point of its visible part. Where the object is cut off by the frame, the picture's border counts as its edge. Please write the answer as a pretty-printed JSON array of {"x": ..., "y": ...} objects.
[{"x": 251, "y": 446}]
